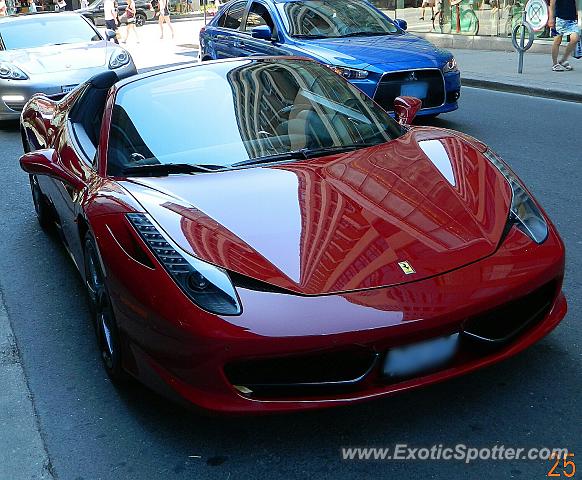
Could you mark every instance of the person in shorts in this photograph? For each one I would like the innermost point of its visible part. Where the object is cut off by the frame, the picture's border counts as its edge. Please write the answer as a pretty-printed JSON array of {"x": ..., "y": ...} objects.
[
  {"x": 164, "y": 13},
  {"x": 130, "y": 13},
  {"x": 562, "y": 21},
  {"x": 110, "y": 15},
  {"x": 430, "y": 4}
]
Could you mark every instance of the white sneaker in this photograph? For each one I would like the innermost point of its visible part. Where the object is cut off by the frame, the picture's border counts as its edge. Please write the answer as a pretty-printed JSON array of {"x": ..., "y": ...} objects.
[{"x": 558, "y": 68}]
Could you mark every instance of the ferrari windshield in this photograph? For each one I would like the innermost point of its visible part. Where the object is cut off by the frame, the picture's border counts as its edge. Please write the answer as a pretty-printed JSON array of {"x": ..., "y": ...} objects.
[
  {"x": 50, "y": 29},
  {"x": 334, "y": 18},
  {"x": 229, "y": 113}
]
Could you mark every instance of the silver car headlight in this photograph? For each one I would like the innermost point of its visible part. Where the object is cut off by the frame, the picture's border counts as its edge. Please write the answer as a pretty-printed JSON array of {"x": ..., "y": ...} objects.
[
  {"x": 349, "y": 73},
  {"x": 11, "y": 72},
  {"x": 206, "y": 285},
  {"x": 451, "y": 66},
  {"x": 524, "y": 213},
  {"x": 119, "y": 58}
]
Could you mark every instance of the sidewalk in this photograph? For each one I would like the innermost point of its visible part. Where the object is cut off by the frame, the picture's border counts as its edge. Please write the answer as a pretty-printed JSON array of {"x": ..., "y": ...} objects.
[
  {"x": 151, "y": 51},
  {"x": 22, "y": 451},
  {"x": 497, "y": 70}
]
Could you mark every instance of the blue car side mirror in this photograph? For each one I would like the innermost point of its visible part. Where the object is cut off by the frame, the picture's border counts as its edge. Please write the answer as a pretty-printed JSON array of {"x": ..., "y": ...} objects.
[
  {"x": 262, "y": 32},
  {"x": 401, "y": 24}
]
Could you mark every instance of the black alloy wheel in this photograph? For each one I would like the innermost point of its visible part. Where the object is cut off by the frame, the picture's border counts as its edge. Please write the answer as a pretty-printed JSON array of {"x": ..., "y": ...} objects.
[{"x": 102, "y": 312}]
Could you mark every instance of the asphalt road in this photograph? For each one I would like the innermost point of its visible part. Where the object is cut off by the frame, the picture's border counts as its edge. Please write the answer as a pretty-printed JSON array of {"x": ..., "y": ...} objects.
[{"x": 93, "y": 431}]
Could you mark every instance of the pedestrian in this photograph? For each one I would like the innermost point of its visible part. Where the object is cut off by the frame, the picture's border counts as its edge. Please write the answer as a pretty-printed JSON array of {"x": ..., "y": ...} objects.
[
  {"x": 130, "y": 15},
  {"x": 428, "y": 3},
  {"x": 164, "y": 13},
  {"x": 563, "y": 22},
  {"x": 3, "y": 8},
  {"x": 32, "y": 6},
  {"x": 84, "y": 4},
  {"x": 110, "y": 15}
]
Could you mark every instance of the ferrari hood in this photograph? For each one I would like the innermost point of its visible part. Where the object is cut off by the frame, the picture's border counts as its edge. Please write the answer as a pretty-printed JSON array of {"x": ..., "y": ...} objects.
[
  {"x": 413, "y": 208},
  {"x": 58, "y": 58}
]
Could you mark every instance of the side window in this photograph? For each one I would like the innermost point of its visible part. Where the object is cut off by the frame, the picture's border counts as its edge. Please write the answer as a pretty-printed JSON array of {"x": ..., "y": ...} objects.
[
  {"x": 233, "y": 18},
  {"x": 258, "y": 15}
]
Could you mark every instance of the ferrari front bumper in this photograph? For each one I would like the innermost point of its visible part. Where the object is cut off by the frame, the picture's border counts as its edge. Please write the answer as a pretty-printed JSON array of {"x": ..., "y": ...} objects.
[{"x": 200, "y": 358}]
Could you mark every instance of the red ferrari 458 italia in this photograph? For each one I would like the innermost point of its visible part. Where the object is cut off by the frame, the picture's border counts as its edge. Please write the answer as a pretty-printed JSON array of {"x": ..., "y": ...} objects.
[{"x": 257, "y": 235}]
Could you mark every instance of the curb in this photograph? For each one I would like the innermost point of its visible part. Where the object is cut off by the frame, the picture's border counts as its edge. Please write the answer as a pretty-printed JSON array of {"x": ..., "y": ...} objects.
[
  {"x": 522, "y": 90},
  {"x": 23, "y": 453}
]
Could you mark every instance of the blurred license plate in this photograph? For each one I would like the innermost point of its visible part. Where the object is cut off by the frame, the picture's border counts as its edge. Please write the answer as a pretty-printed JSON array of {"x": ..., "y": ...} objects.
[
  {"x": 68, "y": 88},
  {"x": 419, "y": 357},
  {"x": 416, "y": 89}
]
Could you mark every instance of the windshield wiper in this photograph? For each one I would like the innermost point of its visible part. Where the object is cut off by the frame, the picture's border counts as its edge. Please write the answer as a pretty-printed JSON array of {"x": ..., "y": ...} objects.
[
  {"x": 165, "y": 169},
  {"x": 303, "y": 154},
  {"x": 314, "y": 36},
  {"x": 365, "y": 34}
]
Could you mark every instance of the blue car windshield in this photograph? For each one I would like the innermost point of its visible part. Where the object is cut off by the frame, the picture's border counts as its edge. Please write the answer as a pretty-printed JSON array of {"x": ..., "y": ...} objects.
[
  {"x": 228, "y": 114},
  {"x": 44, "y": 30},
  {"x": 334, "y": 19}
]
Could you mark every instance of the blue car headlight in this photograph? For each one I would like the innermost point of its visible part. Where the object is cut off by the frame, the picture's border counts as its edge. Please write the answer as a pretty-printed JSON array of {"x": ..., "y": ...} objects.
[
  {"x": 451, "y": 66},
  {"x": 206, "y": 285},
  {"x": 349, "y": 73},
  {"x": 119, "y": 58},
  {"x": 11, "y": 72},
  {"x": 524, "y": 213}
]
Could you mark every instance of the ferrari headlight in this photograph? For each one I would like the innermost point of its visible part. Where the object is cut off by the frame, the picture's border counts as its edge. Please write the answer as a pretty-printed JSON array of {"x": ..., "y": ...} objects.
[
  {"x": 207, "y": 286},
  {"x": 349, "y": 73},
  {"x": 11, "y": 72},
  {"x": 450, "y": 66},
  {"x": 119, "y": 58},
  {"x": 524, "y": 212}
]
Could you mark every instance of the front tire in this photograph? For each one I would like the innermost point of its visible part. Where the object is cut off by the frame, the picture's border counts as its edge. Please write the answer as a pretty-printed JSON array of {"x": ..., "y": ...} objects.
[
  {"x": 140, "y": 19},
  {"x": 102, "y": 313},
  {"x": 41, "y": 205}
]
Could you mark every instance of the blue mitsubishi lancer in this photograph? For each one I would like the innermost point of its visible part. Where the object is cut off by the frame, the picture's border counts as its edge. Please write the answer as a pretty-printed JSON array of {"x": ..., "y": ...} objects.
[{"x": 352, "y": 37}]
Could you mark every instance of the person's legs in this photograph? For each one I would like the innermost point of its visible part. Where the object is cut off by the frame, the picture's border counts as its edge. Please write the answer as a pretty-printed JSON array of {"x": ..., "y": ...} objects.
[
  {"x": 161, "y": 23},
  {"x": 570, "y": 47},
  {"x": 169, "y": 23},
  {"x": 556, "y": 48}
]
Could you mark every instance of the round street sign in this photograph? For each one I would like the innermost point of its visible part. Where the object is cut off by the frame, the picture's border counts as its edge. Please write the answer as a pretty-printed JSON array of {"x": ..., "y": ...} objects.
[{"x": 536, "y": 12}]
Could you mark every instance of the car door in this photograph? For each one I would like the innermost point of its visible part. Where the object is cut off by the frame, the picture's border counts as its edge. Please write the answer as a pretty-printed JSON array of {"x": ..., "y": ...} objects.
[
  {"x": 67, "y": 199},
  {"x": 259, "y": 14},
  {"x": 220, "y": 35}
]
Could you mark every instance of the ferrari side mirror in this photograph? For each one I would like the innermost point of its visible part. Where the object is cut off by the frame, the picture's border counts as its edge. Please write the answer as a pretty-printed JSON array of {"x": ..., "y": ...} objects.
[
  {"x": 41, "y": 163},
  {"x": 406, "y": 109}
]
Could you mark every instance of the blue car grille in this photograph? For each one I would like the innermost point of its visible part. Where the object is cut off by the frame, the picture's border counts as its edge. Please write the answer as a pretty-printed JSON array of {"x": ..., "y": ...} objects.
[{"x": 428, "y": 84}]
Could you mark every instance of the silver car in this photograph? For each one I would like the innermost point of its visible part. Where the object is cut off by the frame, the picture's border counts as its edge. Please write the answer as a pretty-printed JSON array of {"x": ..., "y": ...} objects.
[{"x": 52, "y": 53}]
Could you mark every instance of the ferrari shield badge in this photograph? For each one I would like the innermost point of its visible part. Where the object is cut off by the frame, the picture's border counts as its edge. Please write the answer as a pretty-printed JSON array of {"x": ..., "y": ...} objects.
[{"x": 406, "y": 268}]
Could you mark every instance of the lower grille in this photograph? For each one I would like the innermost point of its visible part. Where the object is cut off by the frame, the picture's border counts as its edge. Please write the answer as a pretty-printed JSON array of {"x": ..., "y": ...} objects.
[
  {"x": 302, "y": 374},
  {"x": 16, "y": 106},
  {"x": 428, "y": 85},
  {"x": 504, "y": 323}
]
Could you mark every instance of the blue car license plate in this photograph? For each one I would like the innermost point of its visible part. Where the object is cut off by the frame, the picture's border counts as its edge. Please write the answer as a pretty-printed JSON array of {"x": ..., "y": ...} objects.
[
  {"x": 419, "y": 357},
  {"x": 416, "y": 89}
]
